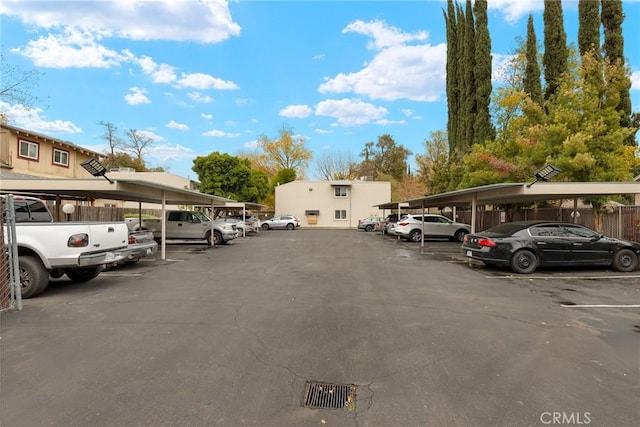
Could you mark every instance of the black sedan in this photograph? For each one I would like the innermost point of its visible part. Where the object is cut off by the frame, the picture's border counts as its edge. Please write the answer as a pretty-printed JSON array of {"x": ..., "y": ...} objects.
[{"x": 526, "y": 245}]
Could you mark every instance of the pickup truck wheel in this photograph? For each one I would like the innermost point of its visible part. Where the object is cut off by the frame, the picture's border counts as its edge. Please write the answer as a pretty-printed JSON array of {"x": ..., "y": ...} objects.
[
  {"x": 33, "y": 276},
  {"x": 83, "y": 274},
  {"x": 210, "y": 241}
]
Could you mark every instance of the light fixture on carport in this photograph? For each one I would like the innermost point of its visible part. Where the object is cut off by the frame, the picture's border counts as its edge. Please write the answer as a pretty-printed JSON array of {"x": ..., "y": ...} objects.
[
  {"x": 545, "y": 174},
  {"x": 95, "y": 168}
]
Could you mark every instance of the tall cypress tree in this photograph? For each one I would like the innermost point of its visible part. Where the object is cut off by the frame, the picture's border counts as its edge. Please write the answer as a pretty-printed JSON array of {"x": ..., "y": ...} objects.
[
  {"x": 482, "y": 127},
  {"x": 588, "y": 26},
  {"x": 469, "y": 94},
  {"x": 453, "y": 83},
  {"x": 556, "y": 53},
  {"x": 532, "y": 84},
  {"x": 462, "y": 83},
  {"x": 612, "y": 18}
]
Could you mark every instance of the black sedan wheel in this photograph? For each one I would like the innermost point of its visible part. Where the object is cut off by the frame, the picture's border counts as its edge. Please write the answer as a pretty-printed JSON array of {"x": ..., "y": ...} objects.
[
  {"x": 524, "y": 262},
  {"x": 625, "y": 260}
]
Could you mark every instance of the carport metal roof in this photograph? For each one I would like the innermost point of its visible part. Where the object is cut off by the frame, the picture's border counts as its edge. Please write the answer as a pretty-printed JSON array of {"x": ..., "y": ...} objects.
[
  {"x": 521, "y": 193},
  {"x": 508, "y": 193},
  {"x": 121, "y": 189}
]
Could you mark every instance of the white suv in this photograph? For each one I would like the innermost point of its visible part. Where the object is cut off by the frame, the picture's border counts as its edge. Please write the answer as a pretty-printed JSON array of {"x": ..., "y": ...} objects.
[{"x": 411, "y": 227}]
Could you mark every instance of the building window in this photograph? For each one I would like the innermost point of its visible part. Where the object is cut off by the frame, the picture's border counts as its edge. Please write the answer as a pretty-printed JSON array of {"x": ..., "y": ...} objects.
[
  {"x": 28, "y": 149},
  {"x": 60, "y": 157},
  {"x": 340, "y": 214},
  {"x": 340, "y": 191}
]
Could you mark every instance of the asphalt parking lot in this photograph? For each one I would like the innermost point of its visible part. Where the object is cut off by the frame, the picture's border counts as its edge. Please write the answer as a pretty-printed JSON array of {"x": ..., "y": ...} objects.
[{"x": 232, "y": 335}]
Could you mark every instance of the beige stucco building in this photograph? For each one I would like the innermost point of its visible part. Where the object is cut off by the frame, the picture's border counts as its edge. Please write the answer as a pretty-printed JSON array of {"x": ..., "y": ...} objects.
[
  {"x": 331, "y": 204},
  {"x": 24, "y": 152}
]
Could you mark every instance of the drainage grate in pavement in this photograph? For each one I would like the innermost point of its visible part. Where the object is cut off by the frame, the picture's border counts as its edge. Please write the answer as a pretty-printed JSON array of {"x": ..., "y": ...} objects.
[{"x": 330, "y": 396}]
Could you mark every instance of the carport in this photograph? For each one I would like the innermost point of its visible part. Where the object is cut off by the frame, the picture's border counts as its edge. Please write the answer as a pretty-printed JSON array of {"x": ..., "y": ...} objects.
[
  {"x": 511, "y": 193},
  {"x": 128, "y": 189}
]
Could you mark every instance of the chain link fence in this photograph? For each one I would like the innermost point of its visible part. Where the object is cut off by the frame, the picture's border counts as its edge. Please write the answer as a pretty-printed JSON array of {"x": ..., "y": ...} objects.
[{"x": 9, "y": 269}]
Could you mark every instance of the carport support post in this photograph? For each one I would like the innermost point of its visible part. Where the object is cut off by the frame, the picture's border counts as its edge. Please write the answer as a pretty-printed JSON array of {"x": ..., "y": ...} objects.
[
  {"x": 163, "y": 226},
  {"x": 575, "y": 211},
  {"x": 422, "y": 231},
  {"x": 474, "y": 206},
  {"x": 213, "y": 218}
]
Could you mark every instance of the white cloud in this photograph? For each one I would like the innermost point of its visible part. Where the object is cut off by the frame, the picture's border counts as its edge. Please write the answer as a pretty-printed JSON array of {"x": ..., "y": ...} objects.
[
  {"x": 382, "y": 34},
  {"x": 151, "y": 135},
  {"x": 385, "y": 122},
  {"x": 159, "y": 73},
  {"x": 198, "y": 97},
  {"x": 71, "y": 49},
  {"x": 230, "y": 123},
  {"x": 205, "y": 81},
  {"x": 253, "y": 144},
  {"x": 350, "y": 112},
  {"x": 220, "y": 134},
  {"x": 30, "y": 118},
  {"x": 513, "y": 10},
  {"x": 206, "y": 116},
  {"x": 322, "y": 131},
  {"x": 318, "y": 57},
  {"x": 175, "y": 125},
  {"x": 207, "y": 21},
  {"x": 398, "y": 70},
  {"x": 500, "y": 66},
  {"x": 296, "y": 111},
  {"x": 635, "y": 80},
  {"x": 136, "y": 97},
  {"x": 166, "y": 153}
]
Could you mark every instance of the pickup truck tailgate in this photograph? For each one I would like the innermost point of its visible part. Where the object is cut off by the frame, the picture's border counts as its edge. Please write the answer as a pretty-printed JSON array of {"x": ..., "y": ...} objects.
[{"x": 107, "y": 236}]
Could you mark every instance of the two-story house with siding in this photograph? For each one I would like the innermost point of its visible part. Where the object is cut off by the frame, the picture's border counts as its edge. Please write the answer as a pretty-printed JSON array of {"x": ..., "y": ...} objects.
[
  {"x": 332, "y": 204},
  {"x": 28, "y": 153}
]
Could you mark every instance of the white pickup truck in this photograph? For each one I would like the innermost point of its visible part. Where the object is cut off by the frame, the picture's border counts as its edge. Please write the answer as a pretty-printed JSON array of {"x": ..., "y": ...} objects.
[
  {"x": 188, "y": 225},
  {"x": 47, "y": 249}
]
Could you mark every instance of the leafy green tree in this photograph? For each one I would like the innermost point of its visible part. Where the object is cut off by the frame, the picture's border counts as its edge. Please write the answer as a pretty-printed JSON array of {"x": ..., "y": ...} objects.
[
  {"x": 283, "y": 176},
  {"x": 433, "y": 166},
  {"x": 386, "y": 157},
  {"x": 123, "y": 160},
  {"x": 588, "y": 26},
  {"x": 482, "y": 127},
  {"x": 556, "y": 53},
  {"x": 285, "y": 152},
  {"x": 532, "y": 84},
  {"x": 224, "y": 175}
]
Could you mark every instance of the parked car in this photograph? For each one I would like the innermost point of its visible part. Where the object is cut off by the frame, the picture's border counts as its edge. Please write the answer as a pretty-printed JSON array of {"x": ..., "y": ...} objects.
[
  {"x": 526, "y": 245},
  {"x": 410, "y": 228},
  {"x": 141, "y": 244},
  {"x": 370, "y": 223},
  {"x": 287, "y": 221},
  {"x": 249, "y": 225},
  {"x": 390, "y": 223}
]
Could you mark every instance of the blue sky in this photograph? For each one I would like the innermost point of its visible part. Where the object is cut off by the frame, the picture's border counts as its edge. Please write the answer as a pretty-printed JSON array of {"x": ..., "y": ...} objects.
[{"x": 208, "y": 75}]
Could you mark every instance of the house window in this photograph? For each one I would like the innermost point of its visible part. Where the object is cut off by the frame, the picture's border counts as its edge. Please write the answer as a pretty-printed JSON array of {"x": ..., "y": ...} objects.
[
  {"x": 340, "y": 191},
  {"x": 28, "y": 149},
  {"x": 340, "y": 214},
  {"x": 60, "y": 157}
]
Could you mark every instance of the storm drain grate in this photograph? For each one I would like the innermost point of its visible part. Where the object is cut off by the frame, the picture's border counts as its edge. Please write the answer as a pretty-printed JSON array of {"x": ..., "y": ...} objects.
[{"x": 331, "y": 396}]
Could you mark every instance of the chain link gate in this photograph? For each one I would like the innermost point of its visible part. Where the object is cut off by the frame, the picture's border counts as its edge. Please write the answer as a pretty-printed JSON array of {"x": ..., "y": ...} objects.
[{"x": 10, "y": 297}]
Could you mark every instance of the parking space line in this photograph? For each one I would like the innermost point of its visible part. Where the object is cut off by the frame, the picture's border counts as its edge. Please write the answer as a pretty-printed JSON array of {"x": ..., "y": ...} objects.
[
  {"x": 600, "y": 305},
  {"x": 562, "y": 277},
  {"x": 113, "y": 274}
]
